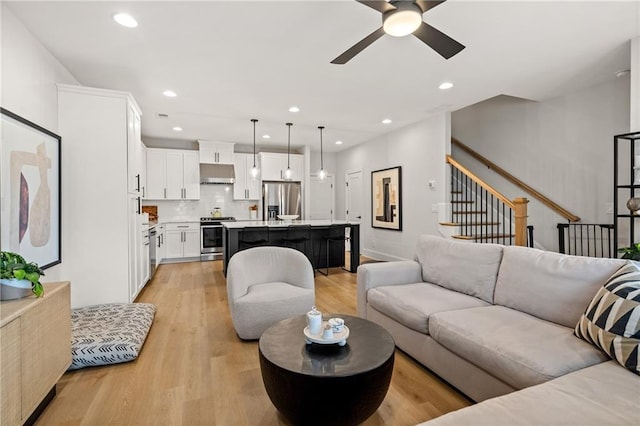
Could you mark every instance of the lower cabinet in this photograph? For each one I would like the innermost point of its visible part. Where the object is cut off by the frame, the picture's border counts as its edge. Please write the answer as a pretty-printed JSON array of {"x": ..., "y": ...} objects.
[
  {"x": 35, "y": 349},
  {"x": 183, "y": 240},
  {"x": 161, "y": 246}
]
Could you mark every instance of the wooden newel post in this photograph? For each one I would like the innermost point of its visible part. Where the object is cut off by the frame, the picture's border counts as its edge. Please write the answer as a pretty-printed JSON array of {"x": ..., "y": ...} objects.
[{"x": 521, "y": 220}]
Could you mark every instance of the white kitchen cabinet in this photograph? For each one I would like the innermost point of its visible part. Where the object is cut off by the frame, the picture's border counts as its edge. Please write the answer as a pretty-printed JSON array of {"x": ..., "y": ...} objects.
[
  {"x": 143, "y": 171},
  {"x": 161, "y": 247},
  {"x": 273, "y": 166},
  {"x": 173, "y": 174},
  {"x": 134, "y": 150},
  {"x": 246, "y": 187},
  {"x": 183, "y": 240},
  {"x": 144, "y": 271},
  {"x": 216, "y": 152},
  {"x": 98, "y": 152}
]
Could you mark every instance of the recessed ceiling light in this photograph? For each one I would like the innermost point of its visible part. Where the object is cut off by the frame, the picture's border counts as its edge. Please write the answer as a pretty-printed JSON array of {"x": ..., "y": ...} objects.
[
  {"x": 170, "y": 93},
  {"x": 338, "y": 142},
  {"x": 386, "y": 121},
  {"x": 266, "y": 137},
  {"x": 125, "y": 20},
  {"x": 294, "y": 109},
  {"x": 445, "y": 85},
  {"x": 177, "y": 129}
]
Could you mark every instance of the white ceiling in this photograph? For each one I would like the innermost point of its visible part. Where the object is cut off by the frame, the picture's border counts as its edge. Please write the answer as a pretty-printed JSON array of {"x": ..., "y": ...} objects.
[{"x": 230, "y": 61}]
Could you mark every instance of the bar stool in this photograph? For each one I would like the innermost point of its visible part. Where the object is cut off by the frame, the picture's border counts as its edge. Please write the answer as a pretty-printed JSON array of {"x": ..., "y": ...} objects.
[
  {"x": 297, "y": 236},
  {"x": 335, "y": 233},
  {"x": 253, "y": 237}
]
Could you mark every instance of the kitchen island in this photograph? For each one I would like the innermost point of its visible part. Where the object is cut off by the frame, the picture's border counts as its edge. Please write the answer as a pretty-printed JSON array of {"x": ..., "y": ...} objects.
[{"x": 278, "y": 230}]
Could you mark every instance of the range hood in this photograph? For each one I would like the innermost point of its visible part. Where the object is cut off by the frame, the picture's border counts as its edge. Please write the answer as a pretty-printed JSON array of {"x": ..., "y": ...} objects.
[{"x": 217, "y": 173}]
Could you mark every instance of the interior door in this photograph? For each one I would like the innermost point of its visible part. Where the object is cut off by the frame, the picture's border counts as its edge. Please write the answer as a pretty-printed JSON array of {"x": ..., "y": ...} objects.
[
  {"x": 354, "y": 200},
  {"x": 354, "y": 196},
  {"x": 322, "y": 198}
]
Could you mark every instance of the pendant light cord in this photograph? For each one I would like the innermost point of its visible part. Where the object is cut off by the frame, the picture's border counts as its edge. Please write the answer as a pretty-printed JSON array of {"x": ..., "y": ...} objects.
[
  {"x": 254, "y": 121},
  {"x": 289, "y": 145},
  {"x": 321, "y": 153}
]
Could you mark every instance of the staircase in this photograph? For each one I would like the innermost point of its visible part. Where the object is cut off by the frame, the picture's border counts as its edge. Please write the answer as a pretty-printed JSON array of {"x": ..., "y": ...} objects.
[{"x": 481, "y": 214}]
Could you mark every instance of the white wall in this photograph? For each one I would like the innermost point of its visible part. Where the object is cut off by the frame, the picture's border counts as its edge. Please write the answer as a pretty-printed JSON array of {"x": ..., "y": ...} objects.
[
  {"x": 420, "y": 150},
  {"x": 29, "y": 76},
  {"x": 562, "y": 147}
]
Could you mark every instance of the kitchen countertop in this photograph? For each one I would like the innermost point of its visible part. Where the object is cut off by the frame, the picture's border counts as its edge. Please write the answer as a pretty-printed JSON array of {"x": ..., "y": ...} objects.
[{"x": 281, "y": 223}]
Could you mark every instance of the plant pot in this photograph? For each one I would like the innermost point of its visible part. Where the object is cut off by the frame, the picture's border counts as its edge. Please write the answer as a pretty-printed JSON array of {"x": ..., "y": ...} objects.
[{"x": 11, "y": 289}]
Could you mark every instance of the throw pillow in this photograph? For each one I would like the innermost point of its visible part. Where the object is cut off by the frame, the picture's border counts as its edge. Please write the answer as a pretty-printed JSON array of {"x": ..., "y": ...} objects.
[{"x": 612, "y": 319}]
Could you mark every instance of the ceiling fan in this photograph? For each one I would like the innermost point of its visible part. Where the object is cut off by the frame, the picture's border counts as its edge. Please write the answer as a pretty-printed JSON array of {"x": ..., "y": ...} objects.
[{"x": 401, "y": 18}]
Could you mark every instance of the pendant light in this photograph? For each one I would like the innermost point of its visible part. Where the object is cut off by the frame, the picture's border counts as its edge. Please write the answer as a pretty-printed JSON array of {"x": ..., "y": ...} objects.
[
  {"x": 288, "y": 173},
  {"x": 254, "y": 170},
  {"x": 321, "y": 174}
]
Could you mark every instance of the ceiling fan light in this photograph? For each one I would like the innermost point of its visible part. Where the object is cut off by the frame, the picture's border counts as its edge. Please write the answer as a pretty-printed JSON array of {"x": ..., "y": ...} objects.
[{"x": 402, "y": 21}]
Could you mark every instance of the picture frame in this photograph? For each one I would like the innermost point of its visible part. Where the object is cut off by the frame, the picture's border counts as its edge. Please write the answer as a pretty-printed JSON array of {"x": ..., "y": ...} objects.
[
  {"x": 30, "y": 190},
  {"x": 386, "y": 198}
]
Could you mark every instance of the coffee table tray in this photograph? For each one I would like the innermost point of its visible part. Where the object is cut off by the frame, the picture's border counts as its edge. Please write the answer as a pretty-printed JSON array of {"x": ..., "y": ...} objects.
[{"x": 339, "y": 338}]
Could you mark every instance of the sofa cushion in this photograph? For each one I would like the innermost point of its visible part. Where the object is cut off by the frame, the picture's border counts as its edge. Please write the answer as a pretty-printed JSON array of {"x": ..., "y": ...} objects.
[
  {"x": 552, "y": 286},
  {"x": 461, "y": 266},
  {"x": 412, "y": 304},
  {"x": 517, "y": 348},
  {"x": 612, "y": 319},
  {"x": 604, "y": 394}
]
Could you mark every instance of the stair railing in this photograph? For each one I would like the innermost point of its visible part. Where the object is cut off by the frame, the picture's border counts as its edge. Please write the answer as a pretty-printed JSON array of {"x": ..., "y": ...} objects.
[
  {"x": 486, "y": 220},
  {"x": 586, "y": 239},
  {"x": 517, "y": 182}
]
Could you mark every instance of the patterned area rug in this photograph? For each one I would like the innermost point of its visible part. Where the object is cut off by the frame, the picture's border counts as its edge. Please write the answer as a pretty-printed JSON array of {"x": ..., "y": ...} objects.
[{"x": 109, "y": 333}]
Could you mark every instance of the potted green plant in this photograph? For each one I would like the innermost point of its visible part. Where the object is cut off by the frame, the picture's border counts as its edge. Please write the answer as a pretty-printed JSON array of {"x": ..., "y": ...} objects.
[
  {"x": 18, "y": 277},
  {"x": 632, "y": 252}
]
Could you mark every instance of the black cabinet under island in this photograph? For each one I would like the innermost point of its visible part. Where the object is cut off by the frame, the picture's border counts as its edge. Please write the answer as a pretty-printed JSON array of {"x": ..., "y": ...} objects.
[{"x": 309, "y": 236}]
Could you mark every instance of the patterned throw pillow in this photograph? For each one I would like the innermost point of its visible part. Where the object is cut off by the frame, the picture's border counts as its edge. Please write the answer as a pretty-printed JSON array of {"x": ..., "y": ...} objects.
[{"x": 612, "y": 319}]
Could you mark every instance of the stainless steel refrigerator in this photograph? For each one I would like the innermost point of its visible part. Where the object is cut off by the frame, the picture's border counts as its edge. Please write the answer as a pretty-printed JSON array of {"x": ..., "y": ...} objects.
[{"x": 281, "y": 198}]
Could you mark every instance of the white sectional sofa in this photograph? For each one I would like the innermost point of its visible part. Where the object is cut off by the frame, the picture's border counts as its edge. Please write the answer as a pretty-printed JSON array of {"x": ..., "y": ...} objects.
[{"x": 493, "y": 319}]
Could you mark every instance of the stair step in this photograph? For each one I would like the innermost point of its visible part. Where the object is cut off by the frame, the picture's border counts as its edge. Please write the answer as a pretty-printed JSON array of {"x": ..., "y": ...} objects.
[
  {"x": 482, "y": 237},
  {"x": 469, "y": 223},
  {"x": 462, "y": 202}
]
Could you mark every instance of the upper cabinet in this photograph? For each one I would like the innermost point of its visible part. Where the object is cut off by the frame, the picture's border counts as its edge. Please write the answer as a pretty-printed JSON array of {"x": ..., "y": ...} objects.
[
  {"x": 134, "y": 150},
  {"x": 274, "y": 165},
  {"x": 245, "y": 187},
  {"x": 173, "y": 174},
  {"x": 143, "y": 170},
  {"x": 216, "y": 152}
]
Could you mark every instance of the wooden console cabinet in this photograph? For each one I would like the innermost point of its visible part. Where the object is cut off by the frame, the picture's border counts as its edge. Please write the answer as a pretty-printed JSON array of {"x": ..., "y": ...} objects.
[{"x": 35, "y": 350}]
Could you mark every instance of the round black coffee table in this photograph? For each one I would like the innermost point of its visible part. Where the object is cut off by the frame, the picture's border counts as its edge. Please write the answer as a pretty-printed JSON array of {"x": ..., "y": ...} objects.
[{"x": 326, "y": 384}]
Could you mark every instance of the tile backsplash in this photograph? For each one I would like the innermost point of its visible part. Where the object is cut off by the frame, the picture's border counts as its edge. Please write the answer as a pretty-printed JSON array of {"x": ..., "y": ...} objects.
[{"x": 211, "y": 196}]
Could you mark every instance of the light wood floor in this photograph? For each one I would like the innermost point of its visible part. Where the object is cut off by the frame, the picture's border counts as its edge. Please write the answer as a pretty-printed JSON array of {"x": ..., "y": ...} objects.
[{"x": 194, "y": 370}]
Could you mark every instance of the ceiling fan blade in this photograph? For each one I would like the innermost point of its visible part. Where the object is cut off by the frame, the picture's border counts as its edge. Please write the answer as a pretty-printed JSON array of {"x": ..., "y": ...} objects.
[
  {"x": 379, "y": 5},
  {"x": 358, "y": 47},
  {"x": 438, "y": 41},
  {"x": 428, "y": 4}
]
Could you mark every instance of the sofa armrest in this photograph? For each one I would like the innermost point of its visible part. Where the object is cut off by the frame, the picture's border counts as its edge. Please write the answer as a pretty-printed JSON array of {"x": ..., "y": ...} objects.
[{"x": 372, "y": 275}]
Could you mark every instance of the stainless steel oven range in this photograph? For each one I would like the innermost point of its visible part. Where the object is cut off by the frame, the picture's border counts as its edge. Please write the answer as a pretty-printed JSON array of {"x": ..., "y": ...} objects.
[{"x": 211, "y": 237}]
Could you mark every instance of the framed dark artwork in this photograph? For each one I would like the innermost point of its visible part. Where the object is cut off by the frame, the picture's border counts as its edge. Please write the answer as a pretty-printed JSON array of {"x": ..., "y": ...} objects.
[
  {"x": 386, "y": 198},
  {"x": 30, "y": 187}
]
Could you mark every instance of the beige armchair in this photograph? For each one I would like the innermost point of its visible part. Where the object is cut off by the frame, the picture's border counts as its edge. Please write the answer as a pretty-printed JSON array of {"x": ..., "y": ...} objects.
[{"x": 265, "y": 285}]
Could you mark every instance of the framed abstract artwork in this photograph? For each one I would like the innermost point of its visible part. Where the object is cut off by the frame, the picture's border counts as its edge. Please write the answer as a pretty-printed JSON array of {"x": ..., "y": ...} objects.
[
  {"x": 386, "y": 198},
  {"x": 30, "y": 184}
]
